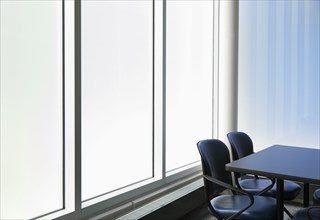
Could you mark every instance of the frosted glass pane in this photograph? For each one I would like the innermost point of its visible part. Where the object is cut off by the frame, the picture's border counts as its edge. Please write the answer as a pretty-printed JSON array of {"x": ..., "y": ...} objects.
[
  {"x": 189, "y": 79},
  {"x": 116, "y": 95},
  {"x": 31, "y": 108},
  {"x": 279, "y": 53}
]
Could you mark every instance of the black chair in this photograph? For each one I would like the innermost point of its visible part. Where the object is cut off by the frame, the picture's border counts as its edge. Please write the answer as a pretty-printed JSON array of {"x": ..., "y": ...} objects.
[
  {"x": 316, "y": 197},
  {"x": 311, "y": 213},
  {"x": 242, "y": 145},
  {"x": 214, "y": 156}
]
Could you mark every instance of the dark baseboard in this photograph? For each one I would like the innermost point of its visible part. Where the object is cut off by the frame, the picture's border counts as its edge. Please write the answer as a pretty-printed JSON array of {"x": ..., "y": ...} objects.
[{"x": 178, "y": 208}]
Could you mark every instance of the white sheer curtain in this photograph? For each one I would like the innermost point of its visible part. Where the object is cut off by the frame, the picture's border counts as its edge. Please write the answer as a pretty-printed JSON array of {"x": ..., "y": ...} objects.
[{"x": 279, "y": 72}]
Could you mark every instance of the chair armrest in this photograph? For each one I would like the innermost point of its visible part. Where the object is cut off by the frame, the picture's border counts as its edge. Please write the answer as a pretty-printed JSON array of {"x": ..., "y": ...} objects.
[
  {"x": 268, "y": 187},
  {"x": 228, "y": 186},
  {"x": 263, "y": 190}
]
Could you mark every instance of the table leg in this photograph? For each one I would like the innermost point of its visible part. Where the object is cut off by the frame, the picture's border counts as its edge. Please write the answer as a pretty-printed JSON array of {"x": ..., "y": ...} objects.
[
  {"x": 279, "y": 199},
  {"x": 305, "y": 194}
]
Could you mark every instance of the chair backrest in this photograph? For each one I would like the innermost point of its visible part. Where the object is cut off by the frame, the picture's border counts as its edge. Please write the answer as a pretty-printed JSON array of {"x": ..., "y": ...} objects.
[
  {"x": 241, "y": 144},
  {"x": 214, "y": 156}
]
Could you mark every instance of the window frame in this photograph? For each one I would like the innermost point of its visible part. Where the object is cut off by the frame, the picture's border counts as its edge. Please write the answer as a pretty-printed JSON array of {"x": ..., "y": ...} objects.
[{"x": 73, "y": 206}]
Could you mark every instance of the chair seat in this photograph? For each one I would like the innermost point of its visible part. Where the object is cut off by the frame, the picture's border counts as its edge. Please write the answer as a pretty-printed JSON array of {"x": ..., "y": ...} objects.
[
  {"x": 316, "y": 196},
  {"x": 227, "y": 205},
  {"x": 291, "y": 189},
  {"x": 302, "y": 214}
]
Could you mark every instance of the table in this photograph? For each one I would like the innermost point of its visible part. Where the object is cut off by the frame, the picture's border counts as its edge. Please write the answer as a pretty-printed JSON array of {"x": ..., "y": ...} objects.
[{"x": 283, "y": 163}]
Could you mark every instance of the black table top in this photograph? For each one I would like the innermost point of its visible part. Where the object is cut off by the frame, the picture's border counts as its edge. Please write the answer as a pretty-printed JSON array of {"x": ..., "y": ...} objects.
[{"x": 283, "y": 162}]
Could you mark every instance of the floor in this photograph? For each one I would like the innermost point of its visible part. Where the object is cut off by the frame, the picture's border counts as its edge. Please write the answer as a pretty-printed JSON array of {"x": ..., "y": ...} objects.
[{"x": 203, "y": 214}]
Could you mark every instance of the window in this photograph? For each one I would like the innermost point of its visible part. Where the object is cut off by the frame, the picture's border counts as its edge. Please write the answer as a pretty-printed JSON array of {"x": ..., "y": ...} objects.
[
  {"x": 32, "y": 109},
  {"x": 189, "y": 78},
  {"x": 117, "y": 95},
  {"x": 140, "y": 75}
]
